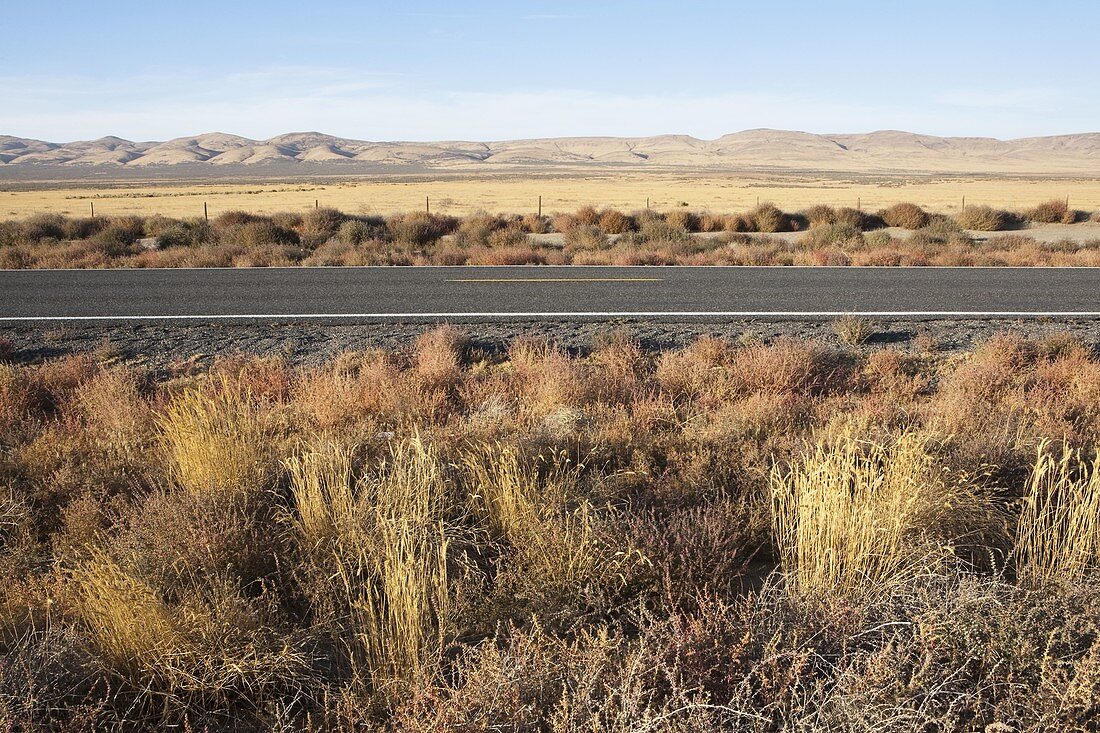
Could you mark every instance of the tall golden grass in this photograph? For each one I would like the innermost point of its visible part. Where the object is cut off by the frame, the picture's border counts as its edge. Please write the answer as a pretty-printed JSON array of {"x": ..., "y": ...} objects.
[
  {"x": 1058, "y": 535},
  {"x": 381, "y": 540},
  {"x": 218, "y": 439},
  {"x": 857, "y": 516}
]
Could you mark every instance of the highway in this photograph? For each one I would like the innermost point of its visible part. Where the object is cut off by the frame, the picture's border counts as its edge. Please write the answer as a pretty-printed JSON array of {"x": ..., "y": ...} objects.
[{"x": 553, "y": 293}]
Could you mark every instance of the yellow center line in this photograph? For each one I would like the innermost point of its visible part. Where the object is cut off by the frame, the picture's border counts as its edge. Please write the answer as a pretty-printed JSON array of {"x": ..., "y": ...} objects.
[{"x": 557, "y": 280}]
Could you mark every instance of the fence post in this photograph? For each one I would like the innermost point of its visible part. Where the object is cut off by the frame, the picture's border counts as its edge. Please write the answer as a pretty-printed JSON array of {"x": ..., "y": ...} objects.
[
  {"x": 427, "y": 205},
  {"x": 93, "y": 208},
  {"x": 205, "y": 212},
  {"x": 540, "y": 207}
]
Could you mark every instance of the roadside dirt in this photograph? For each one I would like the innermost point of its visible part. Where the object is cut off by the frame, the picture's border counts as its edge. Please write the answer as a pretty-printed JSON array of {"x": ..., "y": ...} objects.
[{"x": 162, "y": 346}]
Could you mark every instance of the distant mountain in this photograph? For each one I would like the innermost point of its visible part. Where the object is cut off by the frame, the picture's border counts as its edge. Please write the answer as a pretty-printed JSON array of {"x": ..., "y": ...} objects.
[{"x": 877, "y": 152}]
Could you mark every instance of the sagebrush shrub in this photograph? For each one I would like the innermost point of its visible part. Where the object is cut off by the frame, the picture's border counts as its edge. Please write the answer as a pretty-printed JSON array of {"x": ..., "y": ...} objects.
[{"x": 904, "y": 216}]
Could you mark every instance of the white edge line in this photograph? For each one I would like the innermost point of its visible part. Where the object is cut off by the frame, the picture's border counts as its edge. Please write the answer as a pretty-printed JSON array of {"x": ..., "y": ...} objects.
[{"x": 566, "y": 314}]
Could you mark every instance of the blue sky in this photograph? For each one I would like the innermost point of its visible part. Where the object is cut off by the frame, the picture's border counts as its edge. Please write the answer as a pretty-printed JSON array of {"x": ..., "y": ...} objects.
[{"x": 427, "y": 70}]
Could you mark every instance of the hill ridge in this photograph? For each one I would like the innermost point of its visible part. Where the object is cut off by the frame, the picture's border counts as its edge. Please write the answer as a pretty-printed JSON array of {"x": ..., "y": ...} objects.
[{"x": 878, "y": 151}]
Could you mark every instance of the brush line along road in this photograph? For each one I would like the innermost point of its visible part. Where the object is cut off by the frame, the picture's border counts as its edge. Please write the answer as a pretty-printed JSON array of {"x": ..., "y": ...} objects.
[{"x": 380, "y": 293}]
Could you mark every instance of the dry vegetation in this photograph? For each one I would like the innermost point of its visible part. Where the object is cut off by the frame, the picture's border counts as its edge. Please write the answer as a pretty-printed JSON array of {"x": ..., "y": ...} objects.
[
  {"x": 764, "y": 235},
  {"x": 733, "y": 536}
]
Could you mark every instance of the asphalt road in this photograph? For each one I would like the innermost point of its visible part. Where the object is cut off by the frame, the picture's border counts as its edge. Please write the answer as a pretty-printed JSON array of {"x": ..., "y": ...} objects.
[{"x": 545, "y": 292}]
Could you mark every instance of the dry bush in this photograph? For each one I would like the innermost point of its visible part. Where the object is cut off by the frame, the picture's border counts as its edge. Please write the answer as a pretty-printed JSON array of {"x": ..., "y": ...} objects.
[
  {"x": 419, "y": 228},
  {"x": 904, "y": 216},
  {"x": 358, "y": 231},
  {"x": 587, "y": 216},
  {"x": 784, "y": 366},
  {"x": 768, "y": 217},
  {"x": 218, "y": 440},
  {"x": 986, "y": 219},
  {"x": 256, "y": 234},
  {"x": 585, "y": 237},
  {"x": 1058, "y": 535},
  {"x": 820, "y": 215},
  {"x": 662, "y": 231},
  {"x": 1055, "y": 211},
  {"x": 546, "y": 378},
  {"x": 709, "y": 222},
  {"x": 853, "y": 330},
  {"x": 856, "y": 517},
  {"x": 681, "y": 219},
  {"x": 613, "y": 221},
  {"x": 701, "y": 367},
  {"x": 439, "y": 355},
  {"x": 826, "y": 236},
  {"x": 475, "y": 229}
]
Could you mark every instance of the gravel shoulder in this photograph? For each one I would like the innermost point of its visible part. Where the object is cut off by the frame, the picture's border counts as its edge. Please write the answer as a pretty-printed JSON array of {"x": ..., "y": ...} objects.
[{"x": 163, "y": 346}]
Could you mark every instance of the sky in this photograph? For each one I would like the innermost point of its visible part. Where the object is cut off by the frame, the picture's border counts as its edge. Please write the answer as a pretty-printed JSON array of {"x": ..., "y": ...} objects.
[{"x": 493, "y": 70}]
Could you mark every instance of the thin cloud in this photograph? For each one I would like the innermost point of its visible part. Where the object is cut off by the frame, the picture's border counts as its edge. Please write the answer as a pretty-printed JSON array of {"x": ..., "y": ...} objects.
[{"x": 267, "y": 101}]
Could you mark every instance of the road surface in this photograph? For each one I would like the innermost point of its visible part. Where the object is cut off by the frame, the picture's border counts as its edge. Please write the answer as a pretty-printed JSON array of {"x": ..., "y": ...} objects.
[{"x": 391, "y": 293}]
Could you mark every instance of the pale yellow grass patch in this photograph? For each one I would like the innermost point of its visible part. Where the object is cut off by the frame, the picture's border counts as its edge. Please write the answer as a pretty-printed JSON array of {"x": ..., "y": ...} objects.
[{"x": 666, "y": 191}]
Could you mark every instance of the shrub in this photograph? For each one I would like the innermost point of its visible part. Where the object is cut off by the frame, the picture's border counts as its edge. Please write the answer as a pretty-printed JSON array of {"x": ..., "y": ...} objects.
[
  {"x": 535, "y": 224},
  {"x": 43, "y": 226},
  {"x": 355, "y": 231},
  {"x": 820, "y": 215},
  {"x": 587, "y": 216},
  {"x": 769, "y": 218},
  {"x": 1054, "y": 211},
  {"x": 509, "y": 236},
  {"x": 323, "y": 221},
  {"x": 686, "y": 220},
  {"x": 475, "y": 229},
  {"x": 260, "y": 233},
  {"x": 184, "y": 234},
  {"x": 586, "y": 237},
  {"x": 832, "y": 235},
  {"x": 613, "y": 221},
  {"x": 119, "y": 235},
  {"x": 663, "y": 231},
  {"x": 985, "y": 219},
  {"x": 712, "y": 223},
  {"x": 904, "y": 216},
  {"x": 419, "y": 228}
]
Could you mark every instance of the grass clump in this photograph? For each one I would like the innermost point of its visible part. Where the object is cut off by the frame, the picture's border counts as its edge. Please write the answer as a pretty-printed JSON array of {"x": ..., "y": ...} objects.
[
  {"x": 853, "y": 330},
  {"x": 378, "y": 549},
  {"x": 858, "y": 516},
  {"x": 1058, "y": 535},
  {"x": 218, "y": 440}
]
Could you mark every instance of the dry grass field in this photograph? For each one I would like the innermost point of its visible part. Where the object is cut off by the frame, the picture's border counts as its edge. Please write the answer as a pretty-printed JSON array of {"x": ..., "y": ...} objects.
[
  {"x": 739, "y": 536},
  {"x": 516, "y": 193}
]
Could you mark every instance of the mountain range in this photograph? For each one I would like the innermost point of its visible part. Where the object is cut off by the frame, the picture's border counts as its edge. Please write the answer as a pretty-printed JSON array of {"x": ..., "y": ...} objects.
[{"x": 876, "y": 152}]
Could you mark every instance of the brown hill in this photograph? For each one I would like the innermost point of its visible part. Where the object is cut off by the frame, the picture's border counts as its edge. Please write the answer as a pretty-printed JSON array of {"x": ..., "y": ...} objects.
[{"x": 886, "y": 151}]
